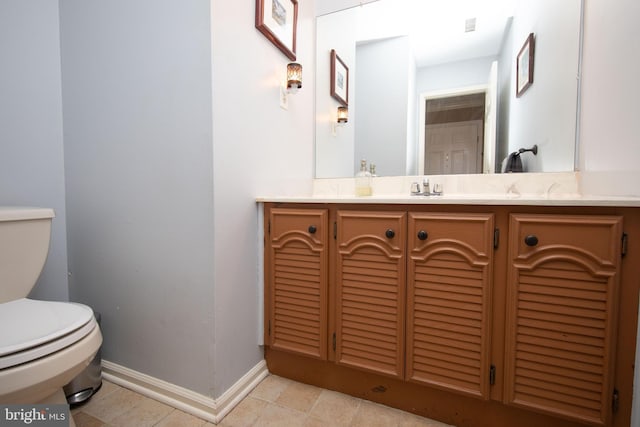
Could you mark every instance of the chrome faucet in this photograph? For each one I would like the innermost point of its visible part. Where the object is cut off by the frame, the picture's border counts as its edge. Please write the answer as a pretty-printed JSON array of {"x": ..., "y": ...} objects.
[{"x": 426, "y": 189}]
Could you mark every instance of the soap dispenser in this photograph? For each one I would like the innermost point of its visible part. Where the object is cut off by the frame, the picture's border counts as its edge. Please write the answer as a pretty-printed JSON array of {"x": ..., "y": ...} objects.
[{"x": 363, "y": 180}]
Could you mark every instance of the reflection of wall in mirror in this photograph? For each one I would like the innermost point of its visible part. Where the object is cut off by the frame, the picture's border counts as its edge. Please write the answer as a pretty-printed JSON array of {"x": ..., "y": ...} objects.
[
  {"x": 328, "y": 6},
  {"x": 334, "y": 145},
  {"x": 546, "y": 114},
  {"x": 505, "y": 69},
  {"x": 381, "y": 100}
]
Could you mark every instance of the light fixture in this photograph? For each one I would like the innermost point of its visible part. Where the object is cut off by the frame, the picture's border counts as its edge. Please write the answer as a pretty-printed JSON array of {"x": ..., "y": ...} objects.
[
  {"x": 294, "y": 77},
  {"x": 343, "y": 115}
]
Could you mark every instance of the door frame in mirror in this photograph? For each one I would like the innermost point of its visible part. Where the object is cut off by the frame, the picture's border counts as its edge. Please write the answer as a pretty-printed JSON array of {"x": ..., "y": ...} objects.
[{"x": 445, "y": 93}]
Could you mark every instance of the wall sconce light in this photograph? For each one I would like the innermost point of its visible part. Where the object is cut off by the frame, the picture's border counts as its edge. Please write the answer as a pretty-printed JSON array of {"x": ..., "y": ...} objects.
[
  {"x": 294, "y": 77},
  {"x": 343, "y": 115},
  {"x": 340, "y": 120}
]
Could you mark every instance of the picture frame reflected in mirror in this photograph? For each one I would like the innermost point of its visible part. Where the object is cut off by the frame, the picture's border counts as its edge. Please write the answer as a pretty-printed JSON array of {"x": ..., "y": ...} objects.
[
  {"x": 339, "y": 79},
  {"x": 524, "y": 66}
]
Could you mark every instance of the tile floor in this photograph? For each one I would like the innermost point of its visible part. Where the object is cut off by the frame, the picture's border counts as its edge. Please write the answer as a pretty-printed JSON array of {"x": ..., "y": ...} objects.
[{"x": 276, "y": 401}]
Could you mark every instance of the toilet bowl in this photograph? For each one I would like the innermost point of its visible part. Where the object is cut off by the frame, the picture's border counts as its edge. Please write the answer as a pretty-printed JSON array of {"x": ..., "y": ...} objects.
[{"x": 43, "y": 344}]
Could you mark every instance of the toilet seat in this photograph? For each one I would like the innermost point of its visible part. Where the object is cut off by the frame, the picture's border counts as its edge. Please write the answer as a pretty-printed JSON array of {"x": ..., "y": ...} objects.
[{"x": 39, "y": 328}]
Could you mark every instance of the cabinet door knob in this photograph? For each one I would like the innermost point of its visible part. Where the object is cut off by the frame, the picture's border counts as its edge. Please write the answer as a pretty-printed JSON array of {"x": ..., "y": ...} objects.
[
  {"x": 390, "y": 233},
  {"x": 422, "y": 235},
  {"x": 531, "y": 240},
  {"x": 312, "y": 229}
]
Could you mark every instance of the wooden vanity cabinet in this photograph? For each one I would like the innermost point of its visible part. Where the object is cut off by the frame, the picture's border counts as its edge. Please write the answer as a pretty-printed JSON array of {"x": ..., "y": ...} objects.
[
  {"x": 449, "y": 301},
  {"x": 475, "y": 316},
  {"x": 370, "y": 290},
  {"x": 296, "y": 275},
  {"x": 561, "y": 314},
  {"x": 443, "y": 299}
]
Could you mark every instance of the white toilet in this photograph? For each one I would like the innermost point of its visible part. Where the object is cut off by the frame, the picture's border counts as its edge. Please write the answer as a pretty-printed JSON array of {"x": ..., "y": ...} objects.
[{"x": 43, "y": 344}]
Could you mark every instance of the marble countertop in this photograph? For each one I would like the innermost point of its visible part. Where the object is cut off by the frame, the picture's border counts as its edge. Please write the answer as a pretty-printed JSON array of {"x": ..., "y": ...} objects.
[
  {"x": 471, "y": 199},
  {"x": 535, "y": 189}
]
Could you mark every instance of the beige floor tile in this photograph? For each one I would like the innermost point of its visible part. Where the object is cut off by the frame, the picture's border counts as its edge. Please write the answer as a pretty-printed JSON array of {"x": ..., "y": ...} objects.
[
  {"x": 373, "y": 415},
  {"x": 106, "y": 388},
  {"x": 276, "y": 402},
  {"x": 410, "y": 420},
  {"x": 112, "y": 405},
  {"x": 270, "y": 388},
  {"x": 178, "y": 418},
  {"x": 245, "y": 414},
  {"x": 335, "y": 407},
  {"x": 82, "y": 419},
  {"x": 146, "y": 413},
  {"x": 298, "y": 396},
  {"x": 279, "y": 416},
  {"x": 316, "y": 422}
]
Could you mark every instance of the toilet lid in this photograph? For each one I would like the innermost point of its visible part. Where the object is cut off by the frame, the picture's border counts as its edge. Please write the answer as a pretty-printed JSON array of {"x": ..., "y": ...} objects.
[{"x": 33, "y": 328}]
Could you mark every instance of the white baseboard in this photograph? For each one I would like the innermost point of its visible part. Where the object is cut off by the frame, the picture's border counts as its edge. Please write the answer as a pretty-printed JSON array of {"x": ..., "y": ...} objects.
[{"x": 212, "y": 410}]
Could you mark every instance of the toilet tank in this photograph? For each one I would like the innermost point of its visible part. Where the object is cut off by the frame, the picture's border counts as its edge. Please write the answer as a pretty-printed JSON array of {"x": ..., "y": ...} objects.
[{"x": 24, "y": 243}]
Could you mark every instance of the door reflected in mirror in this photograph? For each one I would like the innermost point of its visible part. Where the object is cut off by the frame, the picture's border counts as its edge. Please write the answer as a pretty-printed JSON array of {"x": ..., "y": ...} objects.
[
  {"x": 454, "y": 140},
  {"x": 432, "y": 86}
]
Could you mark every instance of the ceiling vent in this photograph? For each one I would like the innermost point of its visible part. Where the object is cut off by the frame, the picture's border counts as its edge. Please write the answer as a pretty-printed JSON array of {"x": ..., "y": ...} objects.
[{"x": 470, "y": 25}]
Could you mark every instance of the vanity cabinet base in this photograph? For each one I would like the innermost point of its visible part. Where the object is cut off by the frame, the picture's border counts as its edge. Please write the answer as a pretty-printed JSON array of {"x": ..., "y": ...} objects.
[
  {"x": 450, "y": 408},
  {"x": 554, "y": 291}
]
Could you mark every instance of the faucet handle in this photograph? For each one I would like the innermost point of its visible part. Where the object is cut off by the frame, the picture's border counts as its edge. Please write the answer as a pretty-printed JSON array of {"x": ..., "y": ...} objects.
[{"x": 415, "y": 188}]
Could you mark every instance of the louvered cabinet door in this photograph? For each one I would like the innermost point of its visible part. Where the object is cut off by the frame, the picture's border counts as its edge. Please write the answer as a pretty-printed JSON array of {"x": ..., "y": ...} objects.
[
  {"x": 448, "y": 301},
  {"x": 370, "y": 291},
  {"x": 561, "y": 311},
  {"x": 297, "y": 281}
]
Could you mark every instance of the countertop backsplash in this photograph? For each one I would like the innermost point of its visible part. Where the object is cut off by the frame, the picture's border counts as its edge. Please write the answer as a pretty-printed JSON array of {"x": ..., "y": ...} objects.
[
  {"x": 551, "y": 189},
  {"x": 485, "y": 185}
]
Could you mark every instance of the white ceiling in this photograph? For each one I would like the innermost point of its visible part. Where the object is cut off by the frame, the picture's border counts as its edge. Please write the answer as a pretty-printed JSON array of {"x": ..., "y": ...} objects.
[{"x": 437, "y": 27}]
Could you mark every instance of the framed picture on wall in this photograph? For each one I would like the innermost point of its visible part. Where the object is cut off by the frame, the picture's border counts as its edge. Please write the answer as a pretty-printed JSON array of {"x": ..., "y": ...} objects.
[
  {"x": 524, "y": 66},
  {"x": 339, "y": 79},
  {"x": 278, "y": 21}
]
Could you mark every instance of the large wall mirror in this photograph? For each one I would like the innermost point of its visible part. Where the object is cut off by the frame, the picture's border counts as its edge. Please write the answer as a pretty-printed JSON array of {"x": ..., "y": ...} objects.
[{"x": 432, "y": 86}]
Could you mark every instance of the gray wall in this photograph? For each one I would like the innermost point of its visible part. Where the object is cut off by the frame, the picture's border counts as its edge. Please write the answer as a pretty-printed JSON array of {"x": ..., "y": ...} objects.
[
  {"x": 454, "y": 75},
  {"x": 166, "y": 147},
  {"x": 174, "y": 279},
  {"x": 328, "y": 6},
  {"x": 31, "y": 143},
  {"x": 138, "y": 160},
  {"x": 555, "y": 69},
  {"x": 505, "y": 91},
  {"x": 258, "y": 149},
  {"x": 382, "y": 97},
  {"x": 334, "y": 148}
]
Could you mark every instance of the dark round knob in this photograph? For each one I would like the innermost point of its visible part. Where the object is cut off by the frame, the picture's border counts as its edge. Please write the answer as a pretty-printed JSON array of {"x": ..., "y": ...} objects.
[
  {"x": 422, "y": 235},
  {"x": 390, "y": 233},
  {"x": 531, "y": 240},
  {"x": 312, "y": 229}
]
